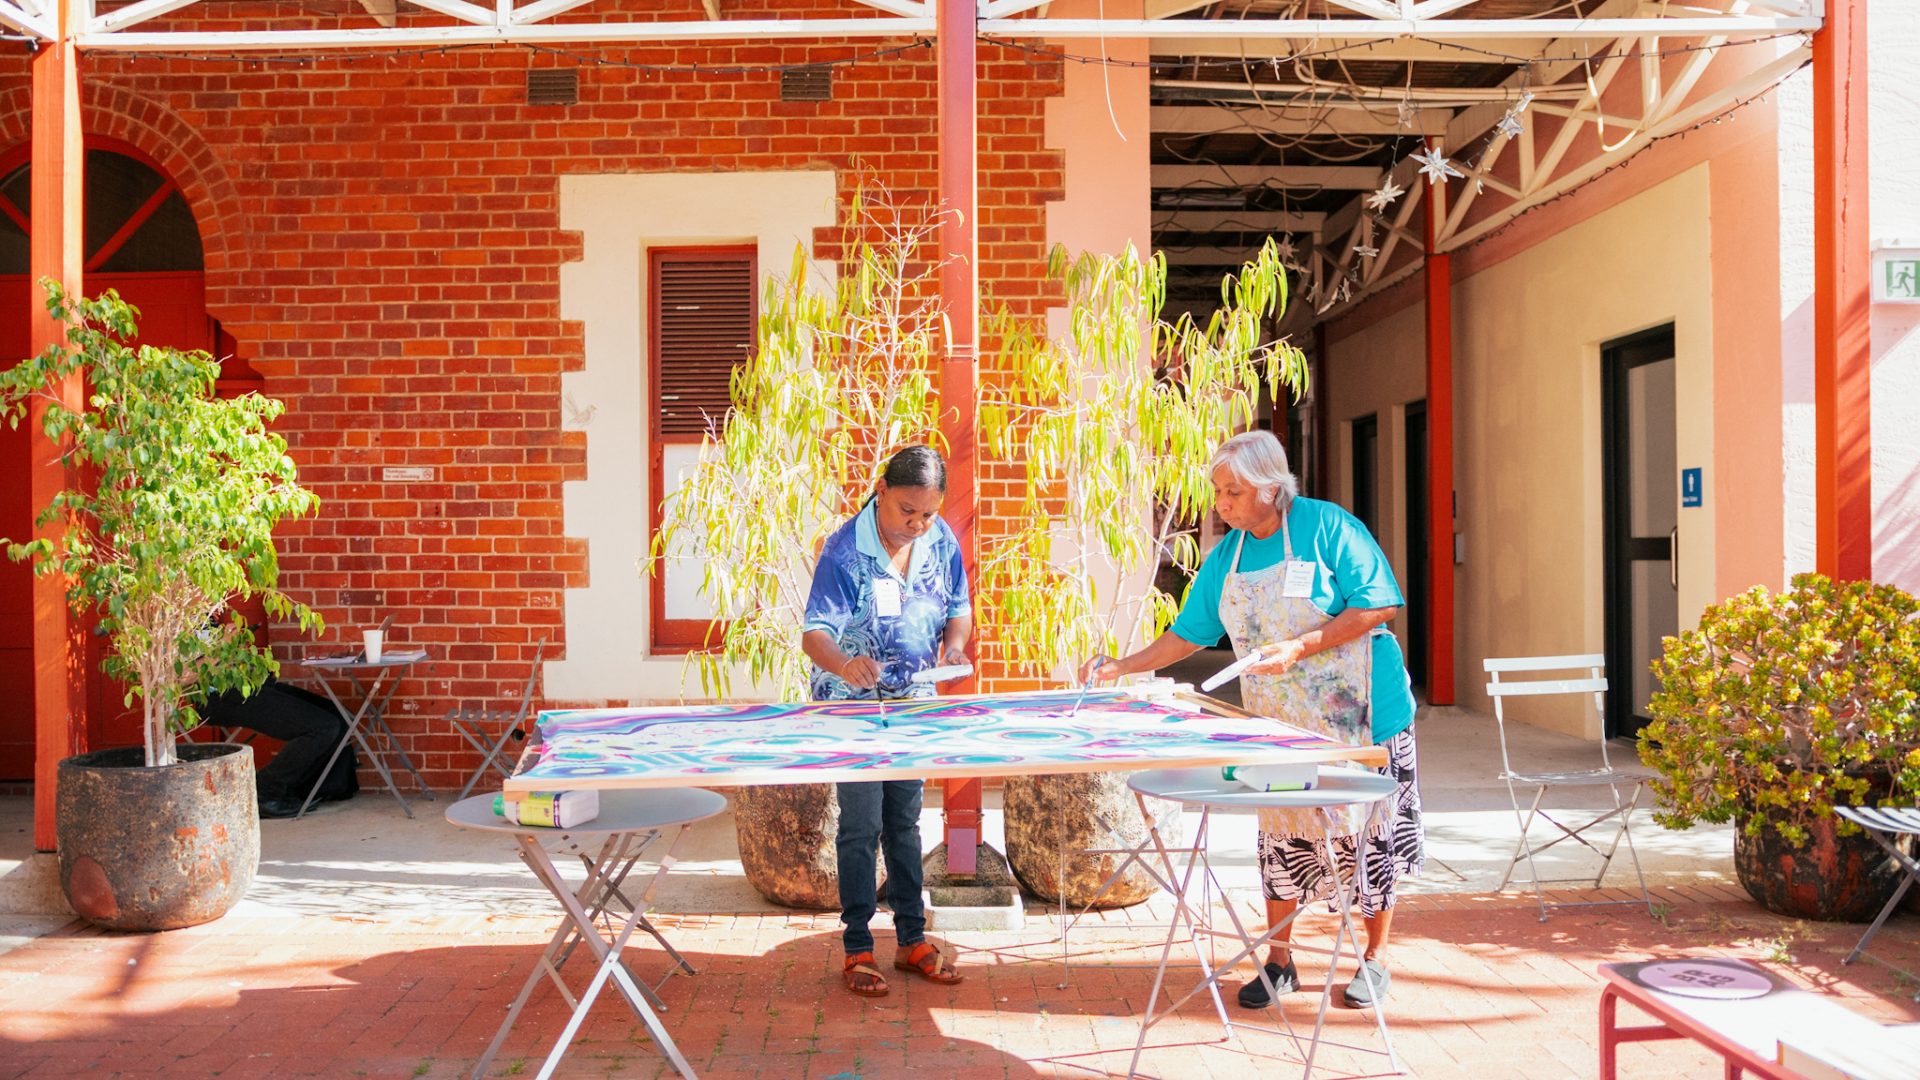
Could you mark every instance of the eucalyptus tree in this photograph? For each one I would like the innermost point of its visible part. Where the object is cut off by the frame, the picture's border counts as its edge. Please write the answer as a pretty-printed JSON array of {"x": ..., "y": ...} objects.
[{"x": 1110, "y": 428}]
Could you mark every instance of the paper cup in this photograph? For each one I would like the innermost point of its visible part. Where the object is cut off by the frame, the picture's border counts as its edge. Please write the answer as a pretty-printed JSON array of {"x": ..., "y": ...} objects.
[{"x": 373, "y": 646}]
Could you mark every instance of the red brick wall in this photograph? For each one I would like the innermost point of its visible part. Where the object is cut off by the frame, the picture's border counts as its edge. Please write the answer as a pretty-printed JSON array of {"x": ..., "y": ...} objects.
[{"x": 383, "y": 242}]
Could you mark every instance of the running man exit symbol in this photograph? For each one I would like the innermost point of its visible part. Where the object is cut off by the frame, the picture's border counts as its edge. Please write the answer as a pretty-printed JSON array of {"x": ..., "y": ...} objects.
[
  {"x": 1689, "y": 487},
  {"x": 1902, "y": 279}
]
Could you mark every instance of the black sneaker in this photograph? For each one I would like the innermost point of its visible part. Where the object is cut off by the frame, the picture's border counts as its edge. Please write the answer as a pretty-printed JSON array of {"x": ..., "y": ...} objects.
[
  {"x": 1286, "y": 980},
  {"x": 1359, "y": 995},
  {"x": 279, "y": 808}
]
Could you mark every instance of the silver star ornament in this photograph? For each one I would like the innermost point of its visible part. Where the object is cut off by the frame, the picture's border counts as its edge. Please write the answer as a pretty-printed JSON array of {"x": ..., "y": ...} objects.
[
  {"x": 1434, "y": 166},
  {"x": 1388, "y": 192}
]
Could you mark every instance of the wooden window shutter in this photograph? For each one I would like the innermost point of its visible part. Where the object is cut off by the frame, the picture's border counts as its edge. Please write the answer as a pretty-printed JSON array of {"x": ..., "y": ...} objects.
[{"x": 703, "y": 321}]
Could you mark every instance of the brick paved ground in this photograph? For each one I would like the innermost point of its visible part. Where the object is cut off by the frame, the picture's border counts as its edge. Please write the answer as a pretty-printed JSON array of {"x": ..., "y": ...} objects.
[{"x": 1481, "y": 990}]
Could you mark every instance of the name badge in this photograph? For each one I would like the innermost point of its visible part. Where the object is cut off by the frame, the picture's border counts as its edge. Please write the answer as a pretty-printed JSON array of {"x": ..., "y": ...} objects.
[
  {"x": 1298, "y": 581},
  {"x": 886, "y": 598}
]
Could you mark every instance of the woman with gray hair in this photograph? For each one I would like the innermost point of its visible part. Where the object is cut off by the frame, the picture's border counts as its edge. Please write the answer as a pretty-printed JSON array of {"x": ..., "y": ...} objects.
[{"x": 1303, "y": 583}]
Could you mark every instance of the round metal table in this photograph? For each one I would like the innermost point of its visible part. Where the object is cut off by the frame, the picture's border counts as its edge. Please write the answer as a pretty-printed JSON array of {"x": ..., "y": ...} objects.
[
  {"x": 1336, "y": 789},
  {"x": 608, "y": 846}
]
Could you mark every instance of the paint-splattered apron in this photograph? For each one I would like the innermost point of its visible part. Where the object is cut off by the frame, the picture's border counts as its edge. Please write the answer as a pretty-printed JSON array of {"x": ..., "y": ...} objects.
[{"x": 1329, "y": 693}]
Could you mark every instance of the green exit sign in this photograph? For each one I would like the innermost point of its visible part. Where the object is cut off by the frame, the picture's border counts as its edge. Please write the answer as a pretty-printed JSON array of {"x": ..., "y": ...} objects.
[{"x": 1896, "y": 275}]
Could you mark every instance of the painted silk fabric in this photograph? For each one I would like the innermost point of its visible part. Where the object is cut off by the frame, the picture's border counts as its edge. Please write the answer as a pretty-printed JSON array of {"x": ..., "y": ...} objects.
[{"x": 832, "y": 741}]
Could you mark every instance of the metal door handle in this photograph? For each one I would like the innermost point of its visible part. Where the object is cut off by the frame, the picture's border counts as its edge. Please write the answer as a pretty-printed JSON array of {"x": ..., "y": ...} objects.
[{"x": 1673, "y": 558}]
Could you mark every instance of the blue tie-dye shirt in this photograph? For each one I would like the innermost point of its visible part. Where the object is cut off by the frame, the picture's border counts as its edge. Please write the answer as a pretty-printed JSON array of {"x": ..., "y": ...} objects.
[{"x": 933, "y": 591}]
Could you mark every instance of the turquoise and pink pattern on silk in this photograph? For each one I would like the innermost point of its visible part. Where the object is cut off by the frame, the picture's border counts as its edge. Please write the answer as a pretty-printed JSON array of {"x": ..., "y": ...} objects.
[{"x": 834, "y": 741}]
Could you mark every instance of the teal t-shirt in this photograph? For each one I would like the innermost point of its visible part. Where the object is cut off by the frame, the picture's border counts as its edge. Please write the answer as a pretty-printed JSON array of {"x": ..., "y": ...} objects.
[{"x": 1352, "y": 572}]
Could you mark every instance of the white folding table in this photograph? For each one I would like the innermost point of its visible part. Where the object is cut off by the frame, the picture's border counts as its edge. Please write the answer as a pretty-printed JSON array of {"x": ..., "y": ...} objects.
[
  {"x": 1203, "y": 788},
  {"x": 608, "y": 846}
]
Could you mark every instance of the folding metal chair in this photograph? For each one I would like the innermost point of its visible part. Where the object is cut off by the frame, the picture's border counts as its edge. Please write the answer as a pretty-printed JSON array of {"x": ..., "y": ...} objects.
[
  {"x": 1886, "y": 827},
  {"x": 476, "y": 722},
  {"x": 1606, "y": 775}
]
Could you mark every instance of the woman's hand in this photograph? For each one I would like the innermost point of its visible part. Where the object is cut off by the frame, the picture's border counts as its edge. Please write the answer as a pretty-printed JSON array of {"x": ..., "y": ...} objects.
[
  {"x": 952, "y": 655},
  {"x": 1280, "y": 657},
  {"x": 1101, "y": 669},
  {"x": 861, "y": 673}
]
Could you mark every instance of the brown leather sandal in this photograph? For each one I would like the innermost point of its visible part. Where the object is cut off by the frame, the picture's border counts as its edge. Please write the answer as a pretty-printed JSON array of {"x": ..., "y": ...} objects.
[
  {"x": 924, "y": 960},
  {"x": 862, "y": 977}
]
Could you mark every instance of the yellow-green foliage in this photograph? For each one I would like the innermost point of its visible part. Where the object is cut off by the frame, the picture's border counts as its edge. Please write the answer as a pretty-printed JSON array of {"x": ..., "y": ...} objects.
[
  {"x": 1111, "y": 430},
  {"x": 175, "y": 521},
  {"x": 1781, "y": 706}
]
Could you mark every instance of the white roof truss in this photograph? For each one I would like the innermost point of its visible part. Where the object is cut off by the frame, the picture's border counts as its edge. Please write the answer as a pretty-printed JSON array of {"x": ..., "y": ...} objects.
[
  {"x": 1382, "y": 29},
  {"x": 26, "y": 17}
]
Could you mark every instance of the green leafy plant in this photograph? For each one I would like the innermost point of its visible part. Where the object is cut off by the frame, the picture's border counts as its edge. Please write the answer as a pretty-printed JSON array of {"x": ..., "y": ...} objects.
[
  {"x": 838, "y": 380},
  {"x": 1779, "y": 707},
  {"x": 171, "y": 518},
  {"x": 1110, "y": 430}
]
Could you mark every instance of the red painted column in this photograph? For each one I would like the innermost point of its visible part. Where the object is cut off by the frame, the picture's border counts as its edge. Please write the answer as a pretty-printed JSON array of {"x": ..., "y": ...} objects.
[
  {"x": 1842, "y": 346},
  {"x": 959, "y": 370},
  {"x": 1440, "y": 501},
  {"x": 59, "y": 652}
]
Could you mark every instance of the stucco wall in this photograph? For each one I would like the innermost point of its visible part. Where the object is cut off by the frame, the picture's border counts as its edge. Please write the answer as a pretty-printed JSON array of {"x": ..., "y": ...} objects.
[
  {"x": 1379, "y": 371},
  {"x": 620, "y": 217},
  {"x": 1528, "y": 330}
]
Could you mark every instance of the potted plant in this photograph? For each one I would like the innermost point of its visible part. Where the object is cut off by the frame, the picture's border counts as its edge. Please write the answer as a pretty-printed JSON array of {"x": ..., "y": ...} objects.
[
  {"x": 1108, "y": 432},
  {"x": 1776, "y": 709},
  {"x": 169, "y": 523}
]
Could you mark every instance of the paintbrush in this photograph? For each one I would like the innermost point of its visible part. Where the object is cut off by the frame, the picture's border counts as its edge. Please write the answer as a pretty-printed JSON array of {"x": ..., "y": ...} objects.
[
  {"x": 1233, "y": 670},
  {"x": 1098, "y": 659}
]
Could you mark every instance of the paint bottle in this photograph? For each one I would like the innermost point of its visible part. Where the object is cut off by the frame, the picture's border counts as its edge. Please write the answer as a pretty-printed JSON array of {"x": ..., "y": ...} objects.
[
  {"x": 1273, "y": 777},
  {"x": 550, "y": 809}
]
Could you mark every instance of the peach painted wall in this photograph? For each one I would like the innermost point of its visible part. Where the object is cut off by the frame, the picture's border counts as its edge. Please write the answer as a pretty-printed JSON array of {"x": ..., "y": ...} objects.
[
  {"x": 1528, "y": 330},
  {"x": 1103, "y": 126}
]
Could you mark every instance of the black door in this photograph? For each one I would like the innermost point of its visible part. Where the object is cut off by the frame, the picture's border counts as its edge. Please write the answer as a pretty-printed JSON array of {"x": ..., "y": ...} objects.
[
  {"x": 1366, "y": 472},
  {"x": 1641, "y": 479},
  {"x": 1417, "y": 541}
]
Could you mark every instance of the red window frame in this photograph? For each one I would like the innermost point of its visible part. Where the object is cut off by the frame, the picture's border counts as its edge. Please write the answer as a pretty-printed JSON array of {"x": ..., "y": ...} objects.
[{"x": 678, "y": 635}]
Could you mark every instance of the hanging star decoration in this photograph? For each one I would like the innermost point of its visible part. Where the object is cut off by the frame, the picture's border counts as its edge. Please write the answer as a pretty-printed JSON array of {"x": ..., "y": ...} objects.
[
  {"x": 1510, "y": 124},
  {"x": 1365, "y": 249},
  {"x": 1435, "y": 166},
  {"x": 1388, "y": 192},
  {"x": 1408, "y": 114},
  {"x": 1284, "y": 249}
]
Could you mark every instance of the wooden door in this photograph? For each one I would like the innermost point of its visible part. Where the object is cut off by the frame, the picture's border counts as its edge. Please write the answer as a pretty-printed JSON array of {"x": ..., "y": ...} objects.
[{"x": 142, "y": 241}]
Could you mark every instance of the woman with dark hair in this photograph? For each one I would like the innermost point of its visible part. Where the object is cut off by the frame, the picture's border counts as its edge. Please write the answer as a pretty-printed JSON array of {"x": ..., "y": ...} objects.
[{"x": 889, "y": 599}]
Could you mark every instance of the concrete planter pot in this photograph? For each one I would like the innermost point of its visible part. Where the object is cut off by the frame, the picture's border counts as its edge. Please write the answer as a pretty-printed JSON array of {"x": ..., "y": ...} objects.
[
  {"x": 1082, "y": 811},
  {"x": 786, "y": 839},
  {"x": 1833, "y": 878},
  {"x": 157, "y": 848}
]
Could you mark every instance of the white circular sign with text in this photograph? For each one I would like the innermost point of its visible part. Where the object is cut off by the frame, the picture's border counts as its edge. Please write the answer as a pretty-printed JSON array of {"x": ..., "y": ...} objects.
[{"x": 1705, "y": 979}]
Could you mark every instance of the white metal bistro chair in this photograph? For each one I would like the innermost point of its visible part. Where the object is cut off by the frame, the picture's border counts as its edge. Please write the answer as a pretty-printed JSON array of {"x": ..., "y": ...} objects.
[
  {"x": 1607, "y": 775},
  {"x": 1886, "y": 827},
  {"x": 478, "y": 724}
]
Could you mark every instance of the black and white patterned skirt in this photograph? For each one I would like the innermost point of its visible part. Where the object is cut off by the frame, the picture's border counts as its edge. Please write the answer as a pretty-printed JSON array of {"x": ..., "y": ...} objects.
[{"x": 1295, "y": 867}]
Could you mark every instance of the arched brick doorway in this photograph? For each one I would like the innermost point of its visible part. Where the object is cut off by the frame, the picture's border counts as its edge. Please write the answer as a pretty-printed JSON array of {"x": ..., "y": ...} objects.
[{"x": 142, "y": 240}]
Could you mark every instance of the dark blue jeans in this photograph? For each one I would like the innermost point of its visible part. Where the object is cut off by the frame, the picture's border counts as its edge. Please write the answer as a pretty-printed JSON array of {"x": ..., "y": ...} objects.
[{"x": 882, "y": 814}]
